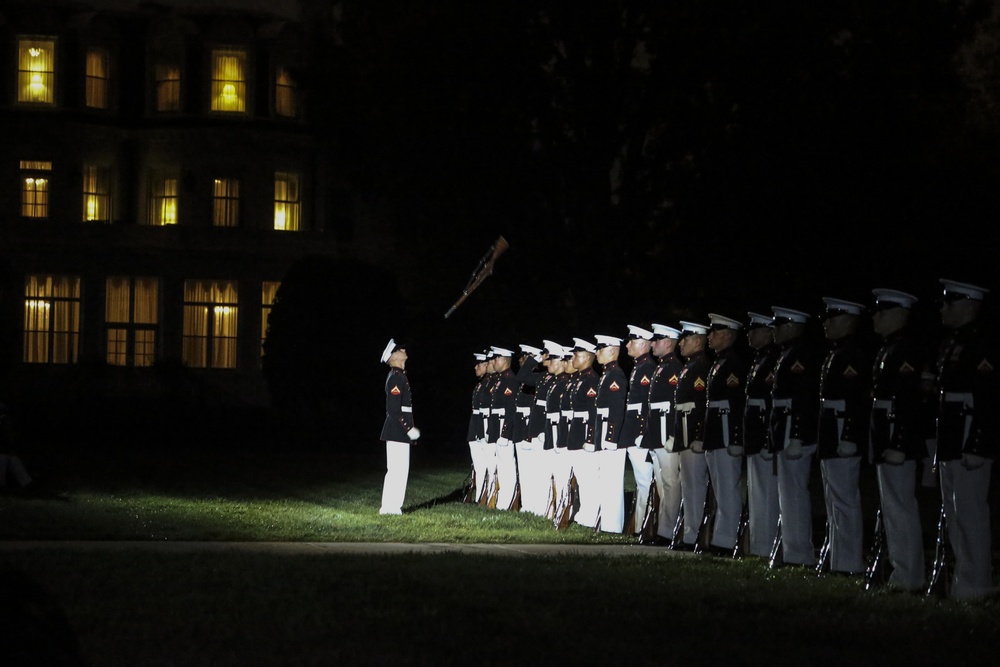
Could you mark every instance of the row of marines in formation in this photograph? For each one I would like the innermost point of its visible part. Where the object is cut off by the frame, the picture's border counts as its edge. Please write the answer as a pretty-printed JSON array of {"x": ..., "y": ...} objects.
[{"x": 696, "y": 422}]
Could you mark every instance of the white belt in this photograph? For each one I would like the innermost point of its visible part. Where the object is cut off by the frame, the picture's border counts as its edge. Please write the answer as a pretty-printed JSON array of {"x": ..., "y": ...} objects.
[
  {"x": 756, "y": 403},
  {"x": 582, "y": 414},
  {"x": 407, "y": 408},
  {"x": 524, "y": 411},
  {"x": 552, "y": 416},
  {"x": 567, "y": 414},
  {"x": 834, "y": 404},
  {"x": 958, "y": 397},
  {"x": 540, "y": 403},
  {"x": 883, "y": 404},
  {"x": 686, "y": 407},
  {"x": 723, "y": 404},
  {"x": 634, "y": 406},
  {"x": 782, "y": 403},
  {"x": 660, "y": 405},
  {"x": 603, "y": 412}
]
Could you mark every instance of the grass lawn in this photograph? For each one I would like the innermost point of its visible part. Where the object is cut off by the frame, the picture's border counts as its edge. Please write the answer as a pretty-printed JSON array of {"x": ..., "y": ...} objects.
[{"x": 135, "y": 606}]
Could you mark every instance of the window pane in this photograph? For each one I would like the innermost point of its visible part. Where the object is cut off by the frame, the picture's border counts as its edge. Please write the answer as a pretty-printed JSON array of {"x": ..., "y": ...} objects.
[
  {"x": 163, "y": 202},
  {"x": 284, "y": 93},
  {"x": 146, "y": 301},
  {"x": 168, "y": 87},
  {"x": 117, "y": 347},
  {"x": 145, "y": 346},
  {"x": 51, "y": 319},
  {"x": 36, "y": 71},
  {"x": 226, "y": 203},
  {"x": 229, "y": 80},
  {"x": 97, "y": 79},
  {"x": 210, "y": 323},
  {"x": 286, "y": 201},
  {"x": 96, "y": 194},
  {"x": 116, "y": 299}
]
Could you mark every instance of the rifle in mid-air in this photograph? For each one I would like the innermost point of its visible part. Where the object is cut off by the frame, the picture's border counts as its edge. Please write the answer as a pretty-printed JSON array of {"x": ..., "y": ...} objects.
[
  {"x": 483, "y": 271},
  {"x": 875, "y": 573}
]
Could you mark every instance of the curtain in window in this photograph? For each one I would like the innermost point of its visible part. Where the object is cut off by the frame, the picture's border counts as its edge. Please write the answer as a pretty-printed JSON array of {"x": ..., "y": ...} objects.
[
  {"x": 286, "y": 201},
  {"x": 96, "y": 189},
  {"x": 51, "y": 319},
  {"x": 284, "y": 93},
  {"x": 97, "y": 79},
  {"x": 36, "y": 68},
  {"x": 228, "y": 80},
  {"x": 168, "y": 87},
  {"x": 226, "y": 202}
]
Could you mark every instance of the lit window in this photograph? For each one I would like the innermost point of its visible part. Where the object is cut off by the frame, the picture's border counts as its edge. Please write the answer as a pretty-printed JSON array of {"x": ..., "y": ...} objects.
[
  {"x": 286, "y": 201},
  {"x": 269, "y": 289},
  {"x": 130, "y": 316},
  {"x": 168, "y": 87},
  {"x": 35, "y": 188},
  {"x": 97, "y": 79},
  {"x": 226, "y": 202},
  {"x": 229, "y": 80},
  {"x": 36, "y": 71},
  {"x": 96, "y": 194},
  {"x": 163, "y": 201},
  {"x": 284, "y": 93},
  {"x": 210, "y": 323},
  {"x": 51, "y": 319}
]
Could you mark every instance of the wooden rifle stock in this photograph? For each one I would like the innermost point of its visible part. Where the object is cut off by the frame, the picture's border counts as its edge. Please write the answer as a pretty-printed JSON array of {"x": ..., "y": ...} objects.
[
  {"x": 647, "y": 534},
  {"x": 630, "y": 524},
  {"x": 743, "y": 532},
  {"x": 550, "y": 507},
  {"x": 515, "y": 502},
  {"x": 704, "y": 539},
  {"x": 484, "y": 494},
  {"x": 824, "y": 551},
  {"x": 469, "y": 487},
  {"x": 564, "y": 513},
  {"x": 875, "y": 572},
  {"x": 482, "y": 272}
]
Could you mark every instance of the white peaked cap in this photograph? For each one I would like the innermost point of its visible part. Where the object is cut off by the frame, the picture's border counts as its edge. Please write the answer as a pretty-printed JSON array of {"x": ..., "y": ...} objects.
[
  {"x": 530, "y": 349},
  {"x": 970, "y": 291},
  {"x": 782, "y": 315},
  {"x": 639, "y": 332},
  {"x": 585, "y": 345},
  {"x": 885, "y": 295},
  {"x": 839, "y": 305},
  {"x": 723, "y": 322},
  {"x": 663, "y": 331},
  {"x": 607, "y": 341},
  {"x": 693, "y": 328},
  {"x": 760, "y": 320},
  {"x": 389, "y": 349},
  {"x": 501, "y": 351}
]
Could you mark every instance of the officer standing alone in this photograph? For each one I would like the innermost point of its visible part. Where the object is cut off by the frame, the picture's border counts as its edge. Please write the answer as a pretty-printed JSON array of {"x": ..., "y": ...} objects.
[{"x": 397, "y": 430}]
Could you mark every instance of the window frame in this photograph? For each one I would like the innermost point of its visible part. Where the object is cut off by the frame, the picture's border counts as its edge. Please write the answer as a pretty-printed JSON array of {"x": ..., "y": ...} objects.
[
  {"x": 132, "y": 325},
  {"x": 26, "y": 77},
  {"x": 218, "y": 81},
  {"x": 101, "y": 84},
  {"x": 287, "y": 201},
  {"x": 202, "y": 346},
  {"x": 96, "y": 191},
  {"x": 45, "y": 340},
  {"x": 35, "y": 202},
  {"x": 226, "y": 205},
  {"x": 164, "y": 188}
]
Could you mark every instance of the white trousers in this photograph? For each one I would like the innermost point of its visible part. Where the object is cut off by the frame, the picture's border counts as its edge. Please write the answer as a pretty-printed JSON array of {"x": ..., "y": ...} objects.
[
  {"x": 547, "y": 479},
  {"x": 967, "y": 511},
  {"x": 612, "y": 483},
  {"x": 477, "y": 454},
  {"x": 642, "y": 471},
  {"x": 667, "y": 476},
  {"x": 726, "y": 473},
  {"x": 586, "y": 467},
  {"x": 795, "y": 507},
  {"x": 526, "y": 469},
  {"x": 694, "y": 490},
  {"x": 397, "y": 470},
  {"x": 489, "y": 455},
  {"x": 506, "y": 473},
  {"x": 762, "y": 496},
  {"x": 843, "y": 513},
  {"x": 901, "y": 520}
]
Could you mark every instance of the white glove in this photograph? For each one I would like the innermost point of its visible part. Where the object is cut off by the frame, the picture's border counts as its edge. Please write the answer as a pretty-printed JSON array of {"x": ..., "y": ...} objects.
[
  {"x": 793, "y": 450},
  {"x": 766, "y": 455},
  {"x": 697, "y": 446},
  {"x": 669, "y": 444},
  {"x": 503, "y": 442},
  {"x": 972, "y": 461},
  {"x": 413, "y": 433},
  {"x": 846, "y": 448},
  {"x": 638, "y": 440},
  {"x": 589, "y": 447},
  {"x": 609, "y": 446},
  {"x": 893, "y": 457},
  {"x": 538, "y": 358},
  {"x": 735, "y": 450}
]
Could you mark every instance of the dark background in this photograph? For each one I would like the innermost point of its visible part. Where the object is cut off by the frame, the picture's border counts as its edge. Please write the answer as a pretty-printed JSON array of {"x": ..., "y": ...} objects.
[{"x": 646, "y": 161}]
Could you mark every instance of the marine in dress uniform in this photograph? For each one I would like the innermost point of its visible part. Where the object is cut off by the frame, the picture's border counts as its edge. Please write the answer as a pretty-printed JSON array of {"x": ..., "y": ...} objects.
[
  {"x": 609, "y": 414},
  {"x": 725, "y": 400},
  {"x": 398, "y": 430},
  {"x": 762, "y": 479},
  {"x": 660, "y": 428},
  {"x": 967, "y": 434},
  {"x": 844, "y": 416},
  {"x": 527, "y": 378},
  {"x": 553, "y": 474},
  {"x": 476, "y": 433},
  {"x": 689, "y": 424},
  {"x": 897, "y": 433},
  {"x": 563, "y": 460},
  {"x": 583, "y": 458},
  {"x": 637, "y": 408},
  {"x": 541, "y": 468},
  {"x": 503, "y": 414},
  {"x": 793, "y": 420}
]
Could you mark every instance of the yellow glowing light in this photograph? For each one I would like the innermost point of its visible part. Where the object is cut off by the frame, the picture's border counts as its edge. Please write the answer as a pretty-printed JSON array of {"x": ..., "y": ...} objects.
[
  {"x": 222, "y": 310},
  {"x": 35, "y": 51},
  {"x": 279, "y": 218},
  {"x": 37, "y": 303}
]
